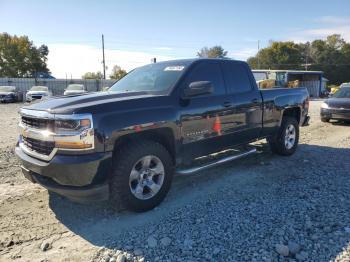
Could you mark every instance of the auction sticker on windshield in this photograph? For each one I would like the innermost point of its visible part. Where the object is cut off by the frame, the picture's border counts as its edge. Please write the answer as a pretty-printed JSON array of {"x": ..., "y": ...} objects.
[{"x": 174, "y": 68}]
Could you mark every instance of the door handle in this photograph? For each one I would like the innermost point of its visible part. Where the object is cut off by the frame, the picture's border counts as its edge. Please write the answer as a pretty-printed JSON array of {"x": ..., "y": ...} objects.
[
  {"x": 255, "y": 101},
  {"x": 227, "y": 104}
]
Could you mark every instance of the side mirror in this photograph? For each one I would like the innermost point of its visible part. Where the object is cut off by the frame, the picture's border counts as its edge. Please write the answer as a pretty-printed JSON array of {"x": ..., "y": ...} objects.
[{"x": 198, "y": 88}]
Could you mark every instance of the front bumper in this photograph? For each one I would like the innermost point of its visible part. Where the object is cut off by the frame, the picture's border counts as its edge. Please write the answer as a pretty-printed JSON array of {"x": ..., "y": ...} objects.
[
  {"x": 81, "y": 178},
  {"x": 92, "y": 193},
  {"x": 335, "y": 113},
  {"x": 7, "y": 99}
]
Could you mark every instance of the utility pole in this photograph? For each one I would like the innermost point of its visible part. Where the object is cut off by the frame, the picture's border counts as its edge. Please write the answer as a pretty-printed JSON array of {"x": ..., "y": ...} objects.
[
  {"x": 103, "y": 59},
  {"x": 258, "y": 54},
  {"x": 307, "y": 64},
  {"x": 307, "y": 58}
]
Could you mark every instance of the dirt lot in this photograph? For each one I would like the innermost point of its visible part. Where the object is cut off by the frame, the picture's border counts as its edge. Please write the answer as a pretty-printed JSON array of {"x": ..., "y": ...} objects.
[{"x": 262, "y": 208}]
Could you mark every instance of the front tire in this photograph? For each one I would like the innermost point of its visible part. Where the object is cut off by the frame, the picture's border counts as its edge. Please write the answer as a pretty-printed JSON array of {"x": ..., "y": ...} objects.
[
  {"x": 142, "y": 175},
  {"x": 287, "y": 138}
]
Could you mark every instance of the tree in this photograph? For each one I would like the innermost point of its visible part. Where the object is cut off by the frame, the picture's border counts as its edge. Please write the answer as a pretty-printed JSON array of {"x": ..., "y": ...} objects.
[
  {"x": 117, "y": 72},
  {"x": 279, "y": 55},
  {"x": 213, "y": 52},
  {"x": 332, "y": 56},
  {"x": 92, "y": 75},
  {"x": 20, "y": 58}
]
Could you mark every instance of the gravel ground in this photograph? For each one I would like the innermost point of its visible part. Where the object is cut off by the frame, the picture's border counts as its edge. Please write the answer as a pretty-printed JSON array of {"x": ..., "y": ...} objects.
[{"x": 262, "y": 208}]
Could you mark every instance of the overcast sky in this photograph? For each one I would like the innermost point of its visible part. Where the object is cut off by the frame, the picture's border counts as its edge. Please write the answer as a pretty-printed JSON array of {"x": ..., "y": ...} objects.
[{"x": 136, "y": 31}]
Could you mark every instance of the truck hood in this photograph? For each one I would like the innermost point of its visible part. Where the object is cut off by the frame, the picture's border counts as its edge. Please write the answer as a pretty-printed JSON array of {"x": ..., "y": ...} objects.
[
  {"x": 338, "y": 102},
  {"x": 84, "y": 102},
  {"x": 6, "y": 93},
  {"x": 37, "y": 93},
  {"x": 73, "y": 92}
]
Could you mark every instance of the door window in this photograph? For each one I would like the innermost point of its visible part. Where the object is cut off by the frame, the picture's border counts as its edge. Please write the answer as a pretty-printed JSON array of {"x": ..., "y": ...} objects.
[{"x": 208, "y": 71}]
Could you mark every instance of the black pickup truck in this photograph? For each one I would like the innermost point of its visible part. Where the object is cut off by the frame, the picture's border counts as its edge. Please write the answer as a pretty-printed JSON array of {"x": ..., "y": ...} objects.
[{"x": 124, "y": 145}]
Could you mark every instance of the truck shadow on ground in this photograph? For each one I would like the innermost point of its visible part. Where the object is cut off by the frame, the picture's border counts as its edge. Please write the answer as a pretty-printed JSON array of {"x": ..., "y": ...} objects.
[{"x": 254, "y": 175}]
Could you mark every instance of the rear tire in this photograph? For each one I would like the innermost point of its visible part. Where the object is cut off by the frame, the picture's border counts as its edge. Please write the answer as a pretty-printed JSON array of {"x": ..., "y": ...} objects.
[
  {"x": 325, "y": 120},
  {"x": 142, "y": 175},
  {"x": 286, "y": 140}
]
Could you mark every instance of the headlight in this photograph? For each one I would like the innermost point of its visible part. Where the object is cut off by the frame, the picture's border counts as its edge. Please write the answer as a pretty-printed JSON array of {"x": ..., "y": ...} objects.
[
  {"x": 77, "y": 133},
  {"x": 72, "y": 125},
  {"x": 324, "y": 105}
]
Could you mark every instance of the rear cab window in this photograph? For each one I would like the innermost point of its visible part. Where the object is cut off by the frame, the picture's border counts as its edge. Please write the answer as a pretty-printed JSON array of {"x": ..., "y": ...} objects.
[{"x": 236, "y": 77}]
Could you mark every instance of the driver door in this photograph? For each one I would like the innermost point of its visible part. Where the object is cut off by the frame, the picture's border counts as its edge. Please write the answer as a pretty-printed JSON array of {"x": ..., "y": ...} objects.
[{"x": 203, "y": 117}]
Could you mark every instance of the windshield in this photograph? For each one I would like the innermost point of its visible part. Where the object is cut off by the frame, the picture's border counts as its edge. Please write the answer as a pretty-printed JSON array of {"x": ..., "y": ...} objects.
[
  {"x": 7, "y": 88},
  {"x": 343, "y": 92},
  {"x": 39, "y": 88},
  {"x": 153, "y": 77},
  {"x": 75, "y": 87}
]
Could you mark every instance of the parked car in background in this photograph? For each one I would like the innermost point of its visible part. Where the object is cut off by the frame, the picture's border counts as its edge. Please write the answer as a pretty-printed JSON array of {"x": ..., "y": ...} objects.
[
  {"x": 37, "y": 92},
  {"x": 337, "y": 106},
  {"x": 9, "y": 94},
  {"x": 74, "y": 89}
]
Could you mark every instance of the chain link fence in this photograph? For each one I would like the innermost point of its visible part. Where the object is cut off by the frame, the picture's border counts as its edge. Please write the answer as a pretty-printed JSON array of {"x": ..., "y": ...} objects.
[{"x": 56, "y": 86}]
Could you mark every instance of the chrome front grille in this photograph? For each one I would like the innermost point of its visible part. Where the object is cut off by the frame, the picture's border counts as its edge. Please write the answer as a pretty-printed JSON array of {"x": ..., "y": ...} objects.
[
  {"x": 36, "y": 134},
  {"x": 40, "y": 139},
  {"x": 38, "y": 146},
  {"x": 37, "y": 96},
  {"x": 38, "y": 123}
]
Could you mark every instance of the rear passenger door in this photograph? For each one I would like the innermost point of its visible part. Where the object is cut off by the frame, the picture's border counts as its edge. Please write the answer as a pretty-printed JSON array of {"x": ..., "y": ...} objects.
[{"x": 245, "y": 101}]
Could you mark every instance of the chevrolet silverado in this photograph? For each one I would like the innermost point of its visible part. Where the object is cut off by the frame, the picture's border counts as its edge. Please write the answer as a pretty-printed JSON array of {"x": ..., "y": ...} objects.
[{"x": 124, "y": 145}]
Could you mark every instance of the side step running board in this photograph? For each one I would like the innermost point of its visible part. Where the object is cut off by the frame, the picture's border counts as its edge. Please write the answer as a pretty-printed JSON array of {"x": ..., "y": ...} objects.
[{"x": 195, "y": 169}]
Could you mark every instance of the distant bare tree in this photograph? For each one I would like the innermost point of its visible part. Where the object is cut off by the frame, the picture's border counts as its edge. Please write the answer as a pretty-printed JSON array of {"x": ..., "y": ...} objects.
[
  {"x": 117, "y": 72},
  {"x": 213, "y": 52},
  {"x": 92, "y": 75}
]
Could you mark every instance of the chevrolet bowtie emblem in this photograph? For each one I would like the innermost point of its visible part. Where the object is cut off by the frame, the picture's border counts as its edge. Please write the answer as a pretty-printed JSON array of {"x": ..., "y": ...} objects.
[{"x": 25, "y": 132}]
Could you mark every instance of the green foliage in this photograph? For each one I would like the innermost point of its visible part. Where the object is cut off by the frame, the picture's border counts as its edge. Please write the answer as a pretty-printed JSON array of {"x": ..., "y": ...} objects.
[
  {"x": 92, "y": 75},
  {"x": 213, "y": 52},
  {"x": 117, "y": 73},
  {"x": 279, "y": 55},
  {"x": 332, "y": 56},
  {"x": 20, "y": 58}
]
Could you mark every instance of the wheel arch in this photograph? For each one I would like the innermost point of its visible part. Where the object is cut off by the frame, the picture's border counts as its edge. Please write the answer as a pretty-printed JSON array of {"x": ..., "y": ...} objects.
[
  {"x": 292, "y": 112},
  {"x": 163, "y": 136}
]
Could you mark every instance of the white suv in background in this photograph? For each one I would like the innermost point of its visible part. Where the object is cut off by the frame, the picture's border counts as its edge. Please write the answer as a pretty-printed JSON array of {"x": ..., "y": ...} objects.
[
  {"x": 74, "y": 89},
  {"x": 37, "y": 92}
]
